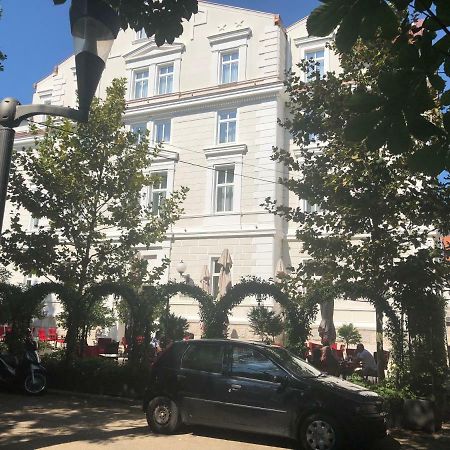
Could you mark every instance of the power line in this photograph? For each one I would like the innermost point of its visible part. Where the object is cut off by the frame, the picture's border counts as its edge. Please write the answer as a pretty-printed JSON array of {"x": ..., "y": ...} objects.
[{"x": 165, "y": 157}]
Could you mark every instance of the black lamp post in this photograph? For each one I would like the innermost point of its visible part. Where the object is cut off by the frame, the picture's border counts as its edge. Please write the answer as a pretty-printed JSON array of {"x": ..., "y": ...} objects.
[{"x": 94, "y": 27}]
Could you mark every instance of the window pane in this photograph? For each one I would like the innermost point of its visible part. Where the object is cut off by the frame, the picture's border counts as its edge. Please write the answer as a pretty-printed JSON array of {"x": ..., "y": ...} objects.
[
  {"x": 204, "y": 357},
  {"x": 229, "y": 198},
  {"x": 221, "y": 174},
  {"x": 234, "y": 72},
  {"x": 249, "y": 363},
  {"x": 223, "y": 133},
  {"x": 220, "y": 199},
  {"x": 162, "y": 131},
  {"x": 231, "y": 132}
]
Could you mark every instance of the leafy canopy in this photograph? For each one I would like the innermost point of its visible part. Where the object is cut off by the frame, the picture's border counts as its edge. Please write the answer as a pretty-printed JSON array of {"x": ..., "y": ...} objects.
[
  {"x": 161, "y": 18},
  {"x": 349, "y": 334},
  {"x": 265, "y": 323},
  {"x": 84, "y": 182},
  {"x": 403, "y": 110}
]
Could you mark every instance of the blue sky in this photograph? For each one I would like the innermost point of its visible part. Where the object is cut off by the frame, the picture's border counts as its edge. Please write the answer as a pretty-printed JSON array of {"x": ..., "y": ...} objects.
[{"x": 35, "y": 35}]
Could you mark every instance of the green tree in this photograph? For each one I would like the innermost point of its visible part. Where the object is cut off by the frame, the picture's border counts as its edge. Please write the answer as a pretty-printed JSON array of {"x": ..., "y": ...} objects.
[
  {"x": 373, "y": 209},
  {"x": 172, "y": 327},
  {"x": 349, "y": 334},
  {"x": 402, "y": 109},
  {"x": 161, "y": 18},
  {"x": 265, "y": 323},
  {"x": 84, "y": 182}
]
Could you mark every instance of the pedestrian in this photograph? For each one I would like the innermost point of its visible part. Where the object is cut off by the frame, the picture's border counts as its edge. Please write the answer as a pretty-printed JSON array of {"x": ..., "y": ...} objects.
[{"x": 368, "y": 364}]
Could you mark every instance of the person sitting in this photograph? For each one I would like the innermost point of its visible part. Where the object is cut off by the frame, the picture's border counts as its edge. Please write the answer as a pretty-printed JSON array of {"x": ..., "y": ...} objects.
[
  {"x": 368, "y": 364},
  {"x": 329, "y": 363}
]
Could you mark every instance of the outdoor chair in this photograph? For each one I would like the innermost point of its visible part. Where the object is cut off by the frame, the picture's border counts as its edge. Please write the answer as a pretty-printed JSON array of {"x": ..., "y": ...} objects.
[
  {"x": 52, "y": 335},
  {"x": 42, "y": 335}
]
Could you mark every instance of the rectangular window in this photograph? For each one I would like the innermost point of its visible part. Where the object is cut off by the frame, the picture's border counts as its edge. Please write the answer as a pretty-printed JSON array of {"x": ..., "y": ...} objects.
[
  {"x": 139, "y": 130},
  {"x": 229, "y": 67},
  {"x": 207, "y": 357},
  {"x": 227, "y": 126},
  {"x": 141, "y": 34},
  {"x": 318, "y": 56},
  {"x": 165, "y": 79},
  {"x": 215, "y": 274},
  {"x": 224, "y": 188},
  {"x": 34, "y": 223},
  {"x": 308, "y": 208},
  {"x": 158, "y": 192},
  {"x": 162, "y": 131},
  {"x": 140, "y": 88}
]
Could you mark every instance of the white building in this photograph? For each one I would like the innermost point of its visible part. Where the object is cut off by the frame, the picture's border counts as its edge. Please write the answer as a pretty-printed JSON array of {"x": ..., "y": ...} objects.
[{"x": 214, "y": 97}]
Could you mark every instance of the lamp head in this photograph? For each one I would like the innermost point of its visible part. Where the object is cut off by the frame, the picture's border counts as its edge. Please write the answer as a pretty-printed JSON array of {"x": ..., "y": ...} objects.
[
  {"x": 94, "y": 27},
  {"x": 181, "y": 267}
]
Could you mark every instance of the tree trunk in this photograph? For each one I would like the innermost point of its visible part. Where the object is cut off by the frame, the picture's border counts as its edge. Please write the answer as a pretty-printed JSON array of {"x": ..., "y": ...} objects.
[{"x": 380, "y": 348}]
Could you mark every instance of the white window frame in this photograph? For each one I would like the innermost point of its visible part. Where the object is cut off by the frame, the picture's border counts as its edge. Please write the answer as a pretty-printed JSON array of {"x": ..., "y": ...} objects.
[
  {"x": 214, "y": 275},
  {"x": 150, "y": 56},
  {"x": 227, "y": 42},
  {"x": 308, "y": 208},
  {"x": 311, "y": 44},
  {"x": 160, "y": 76},
  {"x": 135, "y": 74},
  {"x": 219, "y": 121},
  {"x": 156, "y": 125},
  {"x": 220, "y": 156},
  {"x": 225, "y": 185},
  {"x": 151, "y": 190},
  {"x": 309, "y": 51},
  {"x": 34, "y": 223},
  {"x": 136, "y": 126},
  {"x": 230, "y": 64}
]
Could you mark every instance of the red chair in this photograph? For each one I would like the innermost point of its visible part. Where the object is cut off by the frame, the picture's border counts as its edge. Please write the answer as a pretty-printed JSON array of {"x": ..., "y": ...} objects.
[
  {"x": 42, "y": 335},
  {"x": 52, "y": 335}
]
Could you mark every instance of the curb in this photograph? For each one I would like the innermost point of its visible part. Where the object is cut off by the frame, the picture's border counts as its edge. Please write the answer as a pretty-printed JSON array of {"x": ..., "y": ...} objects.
[{"x": 85, "y": 395}]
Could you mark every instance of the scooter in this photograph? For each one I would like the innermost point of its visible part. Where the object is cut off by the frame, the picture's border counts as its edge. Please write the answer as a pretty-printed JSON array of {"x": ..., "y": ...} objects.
[{"x": 27, "y": 372}]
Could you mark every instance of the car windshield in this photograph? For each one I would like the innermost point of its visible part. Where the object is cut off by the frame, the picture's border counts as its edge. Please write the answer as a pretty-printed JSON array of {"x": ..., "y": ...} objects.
[{"x": 294, "y": 364}]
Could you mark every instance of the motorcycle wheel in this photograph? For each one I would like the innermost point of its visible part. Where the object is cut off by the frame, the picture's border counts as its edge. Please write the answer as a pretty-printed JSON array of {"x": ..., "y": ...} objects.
[{"x": 39, "y": 385}]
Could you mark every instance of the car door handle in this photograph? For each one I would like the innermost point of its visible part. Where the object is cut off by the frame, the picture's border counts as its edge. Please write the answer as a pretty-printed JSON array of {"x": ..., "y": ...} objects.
[{"x": 234, "y": 387}]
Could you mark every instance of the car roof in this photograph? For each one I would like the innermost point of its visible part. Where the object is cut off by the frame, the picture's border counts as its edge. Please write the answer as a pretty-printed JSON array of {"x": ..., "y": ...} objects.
[{"x": 227, "y": 341}]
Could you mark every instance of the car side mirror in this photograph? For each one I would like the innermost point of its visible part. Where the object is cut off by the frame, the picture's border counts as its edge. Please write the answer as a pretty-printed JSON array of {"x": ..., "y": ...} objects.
[{"x": 281, "y": 379}]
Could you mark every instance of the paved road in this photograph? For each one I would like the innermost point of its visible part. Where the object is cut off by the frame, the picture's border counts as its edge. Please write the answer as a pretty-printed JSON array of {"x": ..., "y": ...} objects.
[{"x": 57, "y": 422}]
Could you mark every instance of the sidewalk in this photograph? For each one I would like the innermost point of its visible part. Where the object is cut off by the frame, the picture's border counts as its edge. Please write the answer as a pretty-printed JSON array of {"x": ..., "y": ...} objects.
[{"x": 411, "y": 440}]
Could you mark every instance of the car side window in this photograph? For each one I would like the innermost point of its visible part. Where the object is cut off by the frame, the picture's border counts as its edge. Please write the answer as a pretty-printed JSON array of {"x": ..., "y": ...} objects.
[
  {"x": 204, "y": 357},
  {"x": 250, "y": 363}
]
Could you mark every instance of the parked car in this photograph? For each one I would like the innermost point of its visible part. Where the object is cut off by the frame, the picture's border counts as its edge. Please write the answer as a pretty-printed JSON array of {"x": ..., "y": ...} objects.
[{"x": 258, "y": 388}]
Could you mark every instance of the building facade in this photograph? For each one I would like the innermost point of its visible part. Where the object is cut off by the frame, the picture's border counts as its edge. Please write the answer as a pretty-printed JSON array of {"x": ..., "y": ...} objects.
[{"x": 213, "y": 98}]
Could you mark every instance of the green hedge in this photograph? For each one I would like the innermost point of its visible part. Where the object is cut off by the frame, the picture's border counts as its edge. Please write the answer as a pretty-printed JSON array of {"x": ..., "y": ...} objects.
[{"x": 96, "y": 376}]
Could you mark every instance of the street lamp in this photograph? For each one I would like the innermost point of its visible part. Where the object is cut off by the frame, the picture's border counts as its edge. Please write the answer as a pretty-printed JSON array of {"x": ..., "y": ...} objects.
[{"x": 94, "y": 26}]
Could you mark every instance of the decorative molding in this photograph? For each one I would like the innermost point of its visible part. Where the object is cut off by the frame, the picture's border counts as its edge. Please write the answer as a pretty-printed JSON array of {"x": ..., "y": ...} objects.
[
  {"x": 225, "y": 150},
  {"x": 242, "y": 34},
  {"x": 150, "y": 50},
  {"x": 307, "y": 40}
]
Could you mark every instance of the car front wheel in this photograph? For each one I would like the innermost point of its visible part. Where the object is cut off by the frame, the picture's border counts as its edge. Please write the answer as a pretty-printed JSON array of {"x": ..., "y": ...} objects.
[
  {"x": 162, "y": 415},
  {"x": 320, "y": 432}
]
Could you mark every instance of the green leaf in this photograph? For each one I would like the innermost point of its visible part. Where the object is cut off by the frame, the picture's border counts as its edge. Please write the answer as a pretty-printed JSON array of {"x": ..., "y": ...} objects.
[
  {"x": 391, "y": 22},
  {"x": 420, "y": 127},
  {"x": 358, "y": 127},
  {"x": 422, "y": 5},
  {"x": 398, "y": 138},
  {"x": 430, "y": 159},
  {"x": 364, "y": 102},
  {"x": 446, "y": 121},
  {"x": 445, "y": 98},
  {"x": 348, "y": 31},
  {"x": 437, "y": 82},
  {"x": 443, "y": 11},
  {"x": 325, "y": 18}
]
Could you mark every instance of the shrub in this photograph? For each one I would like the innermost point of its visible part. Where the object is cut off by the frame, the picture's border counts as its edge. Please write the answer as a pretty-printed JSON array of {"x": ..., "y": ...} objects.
[{"x": 95, "y": 376}]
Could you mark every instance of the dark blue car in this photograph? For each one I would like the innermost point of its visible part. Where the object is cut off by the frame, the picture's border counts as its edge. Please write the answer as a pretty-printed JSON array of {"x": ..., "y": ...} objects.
[{"x": 259, "y": 388}]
